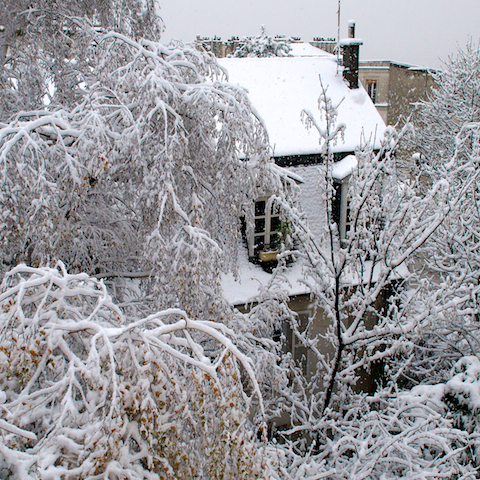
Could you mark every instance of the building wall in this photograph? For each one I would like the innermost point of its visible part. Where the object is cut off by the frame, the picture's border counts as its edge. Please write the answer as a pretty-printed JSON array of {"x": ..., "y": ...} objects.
[
  {"x": 329, "y": 45},
  {"x": 399, "y": 86},
  {"x": 318, "y": 324},
  {"x": 407, "y": 86},
  {"x": 378, "y": 72},
  {"x": 217, "y": 47},
  {"x": 318, "y": 328}
]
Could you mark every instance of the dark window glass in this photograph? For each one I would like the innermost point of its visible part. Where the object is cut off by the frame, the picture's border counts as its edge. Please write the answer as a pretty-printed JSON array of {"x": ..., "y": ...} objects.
[
  {"x": 336, "y": 204},
  {"x": 275, "y": 209},
  {"x": 259, "y": 241},
  {"x": 260, "y": 208},
  {"x": 372, "y": 89},
  {"x": 259, "y": 225}
]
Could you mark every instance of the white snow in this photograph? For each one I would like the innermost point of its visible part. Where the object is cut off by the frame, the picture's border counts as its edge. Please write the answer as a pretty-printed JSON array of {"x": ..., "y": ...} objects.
[
  {"x": 465, "y": 383},
  {"x": 287, "y": 172},
  {"x": 345, "y": 167},
  {"x": 281, "y": 87},
  {"x": 306, "y": 50},
  {"x": 351, "y": 41},
  {"x": 312, "y": 196},
  {"x": 244, "y": 288}
]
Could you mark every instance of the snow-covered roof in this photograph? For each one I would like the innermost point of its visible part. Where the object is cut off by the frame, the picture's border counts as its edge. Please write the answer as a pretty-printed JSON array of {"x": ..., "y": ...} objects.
[
  {"x": 281, "y": 87},
  {"x": 303, "y": 49},
  {"x": 244, "y": 288},
  {"x": 344, "y": 168}
]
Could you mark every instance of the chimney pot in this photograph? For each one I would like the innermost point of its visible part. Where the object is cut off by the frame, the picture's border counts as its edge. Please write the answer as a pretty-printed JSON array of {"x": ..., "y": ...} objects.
[{"x": 351, "y": 29}]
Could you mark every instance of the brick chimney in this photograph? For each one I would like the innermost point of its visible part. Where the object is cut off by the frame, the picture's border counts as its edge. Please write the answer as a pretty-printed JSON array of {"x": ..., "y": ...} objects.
[{"x": 350, "y": 49}]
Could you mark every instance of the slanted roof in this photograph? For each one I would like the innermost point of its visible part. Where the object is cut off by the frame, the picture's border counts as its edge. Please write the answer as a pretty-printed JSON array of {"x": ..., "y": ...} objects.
[{"x": 281, "y": 87}]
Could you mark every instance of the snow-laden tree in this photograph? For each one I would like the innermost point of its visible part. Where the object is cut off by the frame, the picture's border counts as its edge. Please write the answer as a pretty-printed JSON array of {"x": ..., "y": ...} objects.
[
  {"x": 452, "y": 105},
  {"x": 142, "y": 164},
  {"x": 44, "y": 42},
  {"x": 366, "y": 284},
  {"x": 448, "y": 130},
  {"x": 358, "y": 277},
  {"x": 262, "y": 46},
  {"x": 89, "y": 392},
  {"x": 125, "y": 159},
  {"x": 397, "y": 434}
]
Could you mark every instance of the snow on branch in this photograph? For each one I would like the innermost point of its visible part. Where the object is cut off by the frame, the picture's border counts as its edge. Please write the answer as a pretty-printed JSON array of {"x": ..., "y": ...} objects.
[
  {"x": 263, "y": 46},
  {"x": 88, "y": 388}
]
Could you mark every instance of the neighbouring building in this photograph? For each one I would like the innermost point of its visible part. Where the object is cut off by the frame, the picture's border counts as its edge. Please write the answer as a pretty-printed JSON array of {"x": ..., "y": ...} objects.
[{"x": 395, "y": 87}]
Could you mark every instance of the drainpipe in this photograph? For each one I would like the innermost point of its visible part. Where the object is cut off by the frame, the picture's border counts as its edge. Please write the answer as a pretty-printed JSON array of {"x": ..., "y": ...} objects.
[{"x": 350, "y": 49}]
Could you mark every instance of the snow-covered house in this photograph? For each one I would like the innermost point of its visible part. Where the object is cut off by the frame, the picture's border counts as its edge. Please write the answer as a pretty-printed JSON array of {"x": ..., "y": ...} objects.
[{"x": 280, "y": 88}]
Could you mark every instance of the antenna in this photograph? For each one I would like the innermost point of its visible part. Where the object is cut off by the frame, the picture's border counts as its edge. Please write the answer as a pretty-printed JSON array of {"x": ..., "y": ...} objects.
[{"x": 338, "y": 35}]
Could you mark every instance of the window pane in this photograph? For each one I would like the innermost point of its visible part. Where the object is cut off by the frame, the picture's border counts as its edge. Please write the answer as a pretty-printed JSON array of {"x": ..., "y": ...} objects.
[
  {"x": 259, "y": 241},
  {"x": 260, "y": 208},
  {"x": 372, "y": 89},
  {"x": 259, "y": 225},
  {"x": 275, "y": 224}
]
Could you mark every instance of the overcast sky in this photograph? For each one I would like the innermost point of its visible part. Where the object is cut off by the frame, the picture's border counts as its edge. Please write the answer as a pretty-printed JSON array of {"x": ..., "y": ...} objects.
[{"x": 419, "y": 32}]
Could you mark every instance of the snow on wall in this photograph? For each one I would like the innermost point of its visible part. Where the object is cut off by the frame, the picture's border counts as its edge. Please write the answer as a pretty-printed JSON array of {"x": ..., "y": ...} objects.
[
  {"x": 281, "y": 87},
  {"x": 312, "y": 196}
]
